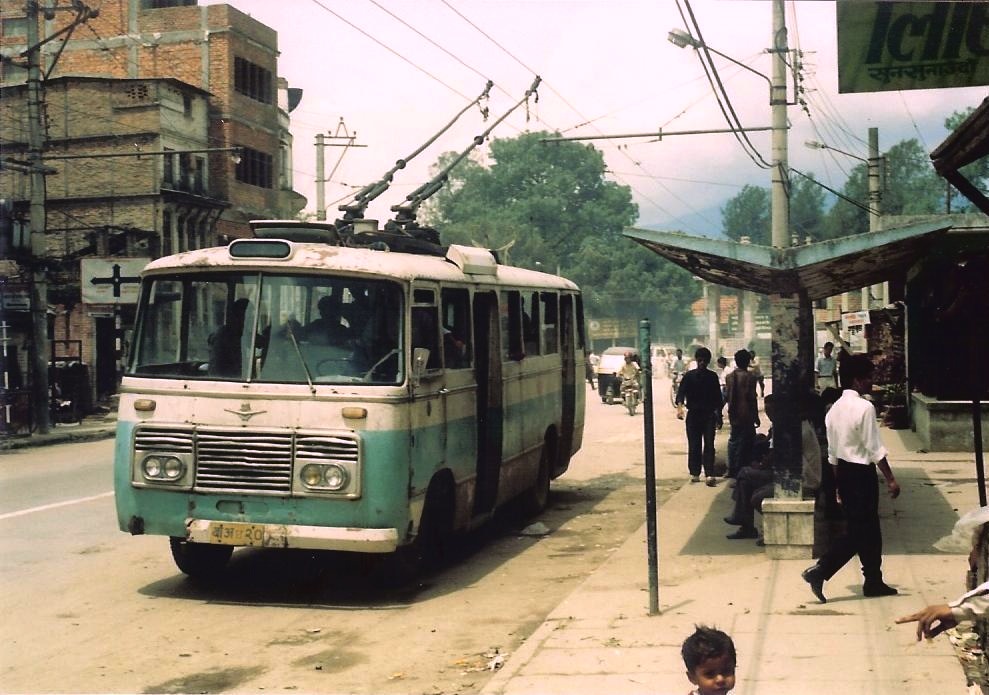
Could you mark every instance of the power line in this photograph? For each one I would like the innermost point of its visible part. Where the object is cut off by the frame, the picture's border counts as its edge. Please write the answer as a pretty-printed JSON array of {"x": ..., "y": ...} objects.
[{"x": 390, "y": 49}]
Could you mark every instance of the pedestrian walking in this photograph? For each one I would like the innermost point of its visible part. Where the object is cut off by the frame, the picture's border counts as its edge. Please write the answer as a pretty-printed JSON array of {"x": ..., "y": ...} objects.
[
  {"x": 855, "y": 450},
  {"x": 700, "y": 393}
]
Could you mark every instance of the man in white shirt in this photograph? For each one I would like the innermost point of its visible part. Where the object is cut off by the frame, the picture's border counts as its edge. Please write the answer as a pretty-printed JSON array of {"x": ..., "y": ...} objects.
[{"x": 855, "y": 451}]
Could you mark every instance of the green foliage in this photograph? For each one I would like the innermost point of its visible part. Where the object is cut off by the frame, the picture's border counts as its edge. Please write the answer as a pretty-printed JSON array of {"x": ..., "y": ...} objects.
[
  {"x": 552, "y": 206},
  {"x": 806, "y": 208},
  {"x": 748, "y": 214},
  {"x": 910, "y": 187}
]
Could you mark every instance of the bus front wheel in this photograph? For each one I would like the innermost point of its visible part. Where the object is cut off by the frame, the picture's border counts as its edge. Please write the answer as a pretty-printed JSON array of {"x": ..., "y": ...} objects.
[
  {"x": 433, "y": 539},
  {"x": 199, "y": 560}
]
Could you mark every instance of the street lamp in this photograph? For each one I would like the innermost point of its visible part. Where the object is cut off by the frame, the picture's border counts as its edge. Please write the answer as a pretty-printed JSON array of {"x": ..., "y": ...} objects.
[
  {"x": 814, "y": 145},
  {"x": 681, "y": 39}
]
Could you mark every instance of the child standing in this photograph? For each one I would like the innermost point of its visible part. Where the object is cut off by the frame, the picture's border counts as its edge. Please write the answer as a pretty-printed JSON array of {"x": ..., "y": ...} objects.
[{"x": 709, "y": 656}]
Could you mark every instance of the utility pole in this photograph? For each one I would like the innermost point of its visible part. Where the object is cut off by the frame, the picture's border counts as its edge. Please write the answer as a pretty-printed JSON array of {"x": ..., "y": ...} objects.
[
  {"x": 40, "y": 348},
  {"x": 345, "y": 141},
  {"x": 320, "y": 179},
  {"x": 778, "y": 102}
]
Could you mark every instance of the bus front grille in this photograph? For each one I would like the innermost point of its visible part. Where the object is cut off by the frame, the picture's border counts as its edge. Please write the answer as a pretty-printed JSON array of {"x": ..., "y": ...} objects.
[{"x": 258, "y": 462}]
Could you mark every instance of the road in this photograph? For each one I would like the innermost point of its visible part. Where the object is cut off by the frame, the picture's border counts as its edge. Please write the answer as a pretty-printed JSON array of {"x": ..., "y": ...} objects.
[{"x": 90, "y": 609}]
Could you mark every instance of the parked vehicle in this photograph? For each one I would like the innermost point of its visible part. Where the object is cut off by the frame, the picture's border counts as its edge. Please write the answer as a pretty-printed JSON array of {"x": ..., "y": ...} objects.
[{"x": 289, "y": 393}]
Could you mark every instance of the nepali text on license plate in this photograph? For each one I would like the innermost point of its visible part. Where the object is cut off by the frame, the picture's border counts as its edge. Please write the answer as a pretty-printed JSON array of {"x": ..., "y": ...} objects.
[{"x": 236, "y": 534}]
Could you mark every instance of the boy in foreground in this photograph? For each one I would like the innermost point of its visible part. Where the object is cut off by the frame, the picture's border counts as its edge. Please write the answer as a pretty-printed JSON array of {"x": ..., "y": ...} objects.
[{"x": 709, "y": 656}]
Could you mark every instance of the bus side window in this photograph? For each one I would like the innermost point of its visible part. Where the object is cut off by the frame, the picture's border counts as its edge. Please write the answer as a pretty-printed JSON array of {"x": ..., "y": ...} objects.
[
  {"x": 456, "y": 328},
  {"x": 551, "y": 339},
  {"x": 530, "y": 323},
  {"x": 425, "y": 334},
  {"x": 581, "y": 340},
  {"x": 511, "y": 326}
]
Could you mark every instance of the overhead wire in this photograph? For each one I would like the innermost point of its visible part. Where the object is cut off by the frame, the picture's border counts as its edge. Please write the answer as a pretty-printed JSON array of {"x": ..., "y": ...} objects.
[
  {"x": 573, "y": 108},
  {"x": 721, "y": 95}
]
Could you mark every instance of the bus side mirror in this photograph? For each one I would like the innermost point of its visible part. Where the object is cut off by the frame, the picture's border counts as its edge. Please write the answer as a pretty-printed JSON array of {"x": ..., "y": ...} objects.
[{"x": 420, "y": 358}]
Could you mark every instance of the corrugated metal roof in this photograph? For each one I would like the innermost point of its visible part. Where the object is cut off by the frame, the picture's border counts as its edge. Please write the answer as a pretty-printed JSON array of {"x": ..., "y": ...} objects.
[{"x": 821, "y": 269}]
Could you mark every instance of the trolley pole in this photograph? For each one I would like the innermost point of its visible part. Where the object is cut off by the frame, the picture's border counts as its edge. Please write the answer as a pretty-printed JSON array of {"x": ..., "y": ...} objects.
[{"x": 649, "y": 436}]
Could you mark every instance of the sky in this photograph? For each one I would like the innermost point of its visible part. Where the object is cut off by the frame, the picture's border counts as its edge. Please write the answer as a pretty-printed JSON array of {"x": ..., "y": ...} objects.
[{"x": 395, "y": 72}]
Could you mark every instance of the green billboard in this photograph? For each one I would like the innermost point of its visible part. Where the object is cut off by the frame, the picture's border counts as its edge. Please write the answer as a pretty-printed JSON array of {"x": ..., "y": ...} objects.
[{"x": 885, "y": 46}]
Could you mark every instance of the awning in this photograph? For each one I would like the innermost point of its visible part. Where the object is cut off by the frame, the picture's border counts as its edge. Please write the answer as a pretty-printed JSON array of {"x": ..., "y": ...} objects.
[
  {"x": 822, "y": 269},
  {"x": 968, "y": 143}
]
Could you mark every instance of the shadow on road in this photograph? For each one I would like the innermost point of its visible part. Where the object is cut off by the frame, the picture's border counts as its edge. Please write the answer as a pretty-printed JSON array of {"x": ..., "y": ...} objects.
[{"x": 347, "y": 581}]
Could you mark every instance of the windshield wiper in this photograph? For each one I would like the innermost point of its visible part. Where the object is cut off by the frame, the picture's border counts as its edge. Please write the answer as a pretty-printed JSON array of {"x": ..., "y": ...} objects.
[{"x": 302, "y": 359}]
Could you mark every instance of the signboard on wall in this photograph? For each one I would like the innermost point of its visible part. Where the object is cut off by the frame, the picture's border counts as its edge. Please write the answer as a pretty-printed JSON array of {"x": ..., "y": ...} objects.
[
  {"x": 111, "y": 280},
  {"x": 884, "y": 46}
]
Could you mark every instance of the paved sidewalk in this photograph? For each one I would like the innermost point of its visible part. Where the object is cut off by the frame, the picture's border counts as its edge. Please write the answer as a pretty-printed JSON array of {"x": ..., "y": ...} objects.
[
  {"x": 90, "y": 429},
  {"x": 601, "y": 639}
]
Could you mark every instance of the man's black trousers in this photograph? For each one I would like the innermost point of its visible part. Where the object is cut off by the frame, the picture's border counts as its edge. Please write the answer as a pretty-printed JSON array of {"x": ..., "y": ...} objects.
[{"x": 858, "y": 487}]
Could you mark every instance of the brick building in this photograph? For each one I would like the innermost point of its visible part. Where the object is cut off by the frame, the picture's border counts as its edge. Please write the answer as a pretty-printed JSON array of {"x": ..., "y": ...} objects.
[{"x": 143, "y": 105}]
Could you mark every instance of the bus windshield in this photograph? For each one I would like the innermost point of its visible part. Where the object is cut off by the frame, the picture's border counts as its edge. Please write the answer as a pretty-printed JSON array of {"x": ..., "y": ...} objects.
[{"x": 267, "y": 327}]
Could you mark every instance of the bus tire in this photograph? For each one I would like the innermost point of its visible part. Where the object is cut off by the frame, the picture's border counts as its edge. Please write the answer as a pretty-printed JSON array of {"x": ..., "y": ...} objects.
[
  {"x": 433, "y": 539},
  {"x": 535, "y": 499},
  {"x": 199, "y": 560}
]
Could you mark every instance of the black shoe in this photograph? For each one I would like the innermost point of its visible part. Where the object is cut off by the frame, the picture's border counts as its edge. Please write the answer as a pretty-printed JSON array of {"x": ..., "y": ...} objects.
[
  {"x": 743, "y": 532},
  {"x": 880, "y": 588},
  {"x": 812, "y": 575},
  {"x": 761, "y": 542},
  {"x": 733, "y": 521}
]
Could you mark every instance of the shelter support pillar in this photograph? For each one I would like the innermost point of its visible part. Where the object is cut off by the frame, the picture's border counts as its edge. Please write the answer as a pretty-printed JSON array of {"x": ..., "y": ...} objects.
[{"x": 788, "y": 518}]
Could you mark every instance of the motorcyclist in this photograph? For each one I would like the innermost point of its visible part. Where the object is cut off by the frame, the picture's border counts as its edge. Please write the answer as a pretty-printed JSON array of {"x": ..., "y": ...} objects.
[
  {"x": 629, "y": 372},
  {"x": 678, "y": 367}
]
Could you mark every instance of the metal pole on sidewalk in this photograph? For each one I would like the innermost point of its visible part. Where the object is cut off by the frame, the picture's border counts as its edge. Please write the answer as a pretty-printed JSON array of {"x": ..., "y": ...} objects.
[{"x": 645, "y": 350}]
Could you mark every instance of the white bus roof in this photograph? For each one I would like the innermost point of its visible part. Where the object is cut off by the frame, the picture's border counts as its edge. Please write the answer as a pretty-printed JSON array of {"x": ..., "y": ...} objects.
[{"x": 402, "y": 266}]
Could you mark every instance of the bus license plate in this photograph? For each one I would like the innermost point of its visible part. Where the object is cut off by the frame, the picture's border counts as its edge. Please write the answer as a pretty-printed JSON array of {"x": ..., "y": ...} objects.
[{"x": 236, "y": 534}]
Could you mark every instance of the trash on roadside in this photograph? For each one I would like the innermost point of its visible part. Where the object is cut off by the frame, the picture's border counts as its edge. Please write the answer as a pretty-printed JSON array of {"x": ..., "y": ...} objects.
[{"x": 536, "y": 529}]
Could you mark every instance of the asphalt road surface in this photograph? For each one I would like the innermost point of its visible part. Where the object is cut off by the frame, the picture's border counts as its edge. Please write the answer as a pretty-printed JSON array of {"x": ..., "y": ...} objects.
[{"x": 88, "y": 608}]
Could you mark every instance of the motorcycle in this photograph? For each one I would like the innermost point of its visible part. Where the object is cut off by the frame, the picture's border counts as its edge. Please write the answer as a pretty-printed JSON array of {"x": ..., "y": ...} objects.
[{"x": 630, "y": 394}]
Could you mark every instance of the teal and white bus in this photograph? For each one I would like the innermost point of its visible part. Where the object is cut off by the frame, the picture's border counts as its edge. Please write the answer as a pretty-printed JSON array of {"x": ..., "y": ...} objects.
[{"x": 291, "y": 391}]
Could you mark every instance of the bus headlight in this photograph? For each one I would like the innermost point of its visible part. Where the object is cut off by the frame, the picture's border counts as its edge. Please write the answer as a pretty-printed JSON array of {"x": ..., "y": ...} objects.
[
  {"x": 162, "y": 468},
  {"x": 324, "y": 476}
]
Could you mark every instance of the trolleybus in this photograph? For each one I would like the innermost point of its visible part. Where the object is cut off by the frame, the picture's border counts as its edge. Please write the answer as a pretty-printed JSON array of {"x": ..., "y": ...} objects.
[{"x": 292, "y": 391}]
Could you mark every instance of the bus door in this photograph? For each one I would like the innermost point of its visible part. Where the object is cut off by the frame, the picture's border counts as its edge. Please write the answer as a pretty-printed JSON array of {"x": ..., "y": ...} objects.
[
  {"x": 429, "y": 416},
  {"x": 457, "y": 336},
  {"x": 568, "y": 353},
  {"x": 489, "y": 406}
]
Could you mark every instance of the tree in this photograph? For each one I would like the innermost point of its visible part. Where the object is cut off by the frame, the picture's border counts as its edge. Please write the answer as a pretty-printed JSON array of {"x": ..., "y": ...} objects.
[
  {"x": 748, "y": 214},
  {"x": 553, "y": 204},
  {"x": 911, "y": 187},
  {"x": 806, "y": 208}
]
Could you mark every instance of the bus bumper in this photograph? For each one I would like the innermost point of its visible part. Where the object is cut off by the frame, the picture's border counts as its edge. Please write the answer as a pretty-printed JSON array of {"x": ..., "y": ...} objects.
[{"x": 359, "y": 540}]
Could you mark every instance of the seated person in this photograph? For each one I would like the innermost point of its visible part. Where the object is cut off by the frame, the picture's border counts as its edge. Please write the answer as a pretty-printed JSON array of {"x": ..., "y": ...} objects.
[
  {"x": 225, "y": 358},
  {"x": 331, "y": 327},
  {"x": 751, "y": 478},
  {"x": 454, "y": 351}
]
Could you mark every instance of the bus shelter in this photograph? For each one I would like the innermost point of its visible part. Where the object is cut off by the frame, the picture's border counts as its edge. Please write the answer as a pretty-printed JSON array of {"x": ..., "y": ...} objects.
[{"x": 793, "y": 278}]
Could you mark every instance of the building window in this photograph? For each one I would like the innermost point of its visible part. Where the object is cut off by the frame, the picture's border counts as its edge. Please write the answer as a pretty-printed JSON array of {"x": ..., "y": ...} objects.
[
  {"x": 168, "y": 177},
  {"x": 166, "y": 233},
  {"x": 14, "y": 26},
  {"x": 252, "y": 80},
  {"x": 255, "y": 168},
  {"x": 187, "y": 104},
  {"x": 198, "y": 175},
  {"x": 158, "y": 4}
]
